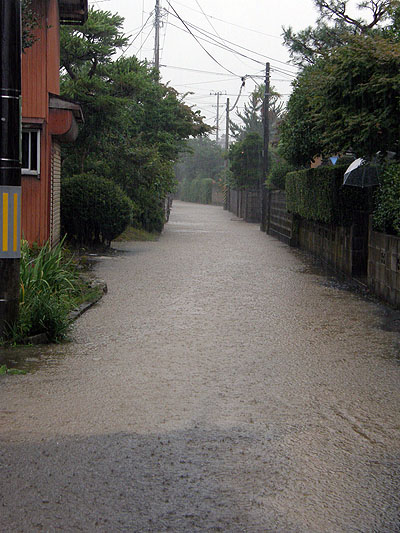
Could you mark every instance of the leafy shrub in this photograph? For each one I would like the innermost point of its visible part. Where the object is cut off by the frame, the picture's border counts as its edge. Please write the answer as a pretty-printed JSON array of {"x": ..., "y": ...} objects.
[
  {"x": 93, "y": 209},
  {"x": 48, "y": 290},
  {"x": 152, "y": 216},
  {"x": 387, "y": 212},
  {"x": 318, "y": 194}
]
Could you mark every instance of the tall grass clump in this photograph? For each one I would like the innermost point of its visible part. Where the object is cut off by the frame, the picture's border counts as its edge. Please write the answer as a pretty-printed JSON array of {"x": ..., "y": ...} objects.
[{"x": 49, "y": 286}]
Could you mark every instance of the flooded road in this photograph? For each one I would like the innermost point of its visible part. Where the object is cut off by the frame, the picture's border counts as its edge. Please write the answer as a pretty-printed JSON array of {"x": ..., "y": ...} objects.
[{"x": 220, "y": 385}]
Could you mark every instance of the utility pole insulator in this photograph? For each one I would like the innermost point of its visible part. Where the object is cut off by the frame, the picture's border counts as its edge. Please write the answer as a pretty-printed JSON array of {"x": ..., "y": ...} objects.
[{"x": 10, "y": 166}]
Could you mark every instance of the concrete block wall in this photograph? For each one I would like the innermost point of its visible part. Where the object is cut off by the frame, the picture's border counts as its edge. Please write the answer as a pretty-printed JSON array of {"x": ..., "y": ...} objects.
[
  {"x": 251, "y": 211},
  {"x": 245, "y": 204},
  {"x": 384, "y": 266},
  {"x": 280, "y": 223},
  {"x": 331, "y": 244}
]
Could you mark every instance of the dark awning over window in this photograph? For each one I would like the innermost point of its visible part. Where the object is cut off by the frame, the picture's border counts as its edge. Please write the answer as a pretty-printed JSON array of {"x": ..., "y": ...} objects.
[{"x": 73, "y": 11}]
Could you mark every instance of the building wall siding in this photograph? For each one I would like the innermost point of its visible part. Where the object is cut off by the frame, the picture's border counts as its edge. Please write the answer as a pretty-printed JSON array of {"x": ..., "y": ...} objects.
[
  {"x": 55, "y": 211},
  {"x": 40, "y": 76}
]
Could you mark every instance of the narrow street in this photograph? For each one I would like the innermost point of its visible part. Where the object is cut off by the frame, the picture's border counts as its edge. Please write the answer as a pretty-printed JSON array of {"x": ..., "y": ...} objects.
[{"x": 221, "y": 385}]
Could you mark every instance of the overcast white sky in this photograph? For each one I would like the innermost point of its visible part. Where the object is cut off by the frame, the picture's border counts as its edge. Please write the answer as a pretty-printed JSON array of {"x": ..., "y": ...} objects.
[{"x": 255, "y": 25}]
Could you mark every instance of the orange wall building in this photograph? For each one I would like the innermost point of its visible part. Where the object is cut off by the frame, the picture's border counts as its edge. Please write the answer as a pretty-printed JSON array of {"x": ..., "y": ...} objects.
[{"x": 47, "y": 120}]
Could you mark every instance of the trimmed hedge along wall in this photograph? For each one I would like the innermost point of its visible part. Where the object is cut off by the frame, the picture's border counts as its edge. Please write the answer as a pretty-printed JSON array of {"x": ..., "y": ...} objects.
[{"x": 319, "y": 194}]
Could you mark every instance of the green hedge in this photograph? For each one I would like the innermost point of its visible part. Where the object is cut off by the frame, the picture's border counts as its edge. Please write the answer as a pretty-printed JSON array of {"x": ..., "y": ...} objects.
[
  {"x": 93, "y": 209},
  {"x": 318, "y": 194},
  {"x": 387, "y": 211},
  {"x": 277, "y": 174},
  {"x": 197, "y": 190}
]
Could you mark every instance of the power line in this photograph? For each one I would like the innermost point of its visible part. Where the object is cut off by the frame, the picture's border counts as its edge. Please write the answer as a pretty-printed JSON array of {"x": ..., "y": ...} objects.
[
  {"x": 202, "y": 82},
  {"x": 196, "y": 39},
  {"x": 198, "y": 70},
  {"x": 136, "y": 36},
  {"x": 207, "y": 18},
  {"x": 144, "y": 42},
  {"x": 210, "y": 35},
  {"x": 231, "y": 23},
  {"x": 219, "y": 45}
]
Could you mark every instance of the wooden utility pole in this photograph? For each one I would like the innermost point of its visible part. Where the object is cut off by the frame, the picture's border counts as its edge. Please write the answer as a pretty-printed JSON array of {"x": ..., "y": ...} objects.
[
  {"x": 217, "y": 94},
  {"x": 157, "y": 24},
  {"x": 226, "y": 189},
  {"x": 263, "y": 191},
  {"x": 227, "y": 131},
  {"x": 10, "y": 167}
]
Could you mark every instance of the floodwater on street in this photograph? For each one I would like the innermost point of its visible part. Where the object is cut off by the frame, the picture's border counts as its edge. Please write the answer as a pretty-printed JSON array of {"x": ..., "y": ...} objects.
[{"x": 220, "y": 385}]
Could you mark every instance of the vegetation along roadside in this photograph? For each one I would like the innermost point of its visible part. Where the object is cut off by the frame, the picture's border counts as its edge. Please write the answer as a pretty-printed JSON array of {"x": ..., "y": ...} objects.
[{"x": 52, "y": 286}]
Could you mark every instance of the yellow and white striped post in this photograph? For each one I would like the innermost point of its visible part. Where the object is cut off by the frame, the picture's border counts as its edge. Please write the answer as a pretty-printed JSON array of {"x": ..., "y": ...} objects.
[{"x": 10, "y": 222}]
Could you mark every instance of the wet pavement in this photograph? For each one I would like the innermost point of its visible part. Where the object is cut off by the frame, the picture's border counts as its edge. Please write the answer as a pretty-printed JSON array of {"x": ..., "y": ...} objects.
[{"x": 222, "y": 384}]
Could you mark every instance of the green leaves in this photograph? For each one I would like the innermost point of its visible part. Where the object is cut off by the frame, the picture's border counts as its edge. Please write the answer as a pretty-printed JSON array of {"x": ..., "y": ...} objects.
[
  {"x": 94, "y": 209},
  {"x": 347, "y": 101},
  {"x": 387, "y": 211},
  {"x": 247, "y": 161},
  {"x": 135, "y": 127}
]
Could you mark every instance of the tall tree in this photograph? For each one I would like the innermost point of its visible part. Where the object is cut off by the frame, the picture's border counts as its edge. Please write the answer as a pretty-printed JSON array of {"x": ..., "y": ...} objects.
[
  {"x": 251, "y": 117},
  {"x": 246, "y": 162},
  {"x": 134, "y": 126},
  {"x": 335, "y": 26}
]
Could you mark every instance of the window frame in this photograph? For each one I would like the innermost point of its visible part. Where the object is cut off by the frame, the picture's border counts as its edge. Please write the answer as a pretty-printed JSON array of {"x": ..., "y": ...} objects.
[{"x": 29, "y": 171}]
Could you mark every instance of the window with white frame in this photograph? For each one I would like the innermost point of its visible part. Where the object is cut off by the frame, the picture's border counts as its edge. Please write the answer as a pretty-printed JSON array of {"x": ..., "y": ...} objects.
[{"x": 31, "y": 152}]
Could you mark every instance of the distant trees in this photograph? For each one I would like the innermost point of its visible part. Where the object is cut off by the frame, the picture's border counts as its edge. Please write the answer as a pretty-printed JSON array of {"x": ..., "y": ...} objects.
[
  {"x": 200, "y": 165},
  {"x": 135, "y": 127},
  {"x": 246, "y": 162},
  {"x": 202, "y": 158}
]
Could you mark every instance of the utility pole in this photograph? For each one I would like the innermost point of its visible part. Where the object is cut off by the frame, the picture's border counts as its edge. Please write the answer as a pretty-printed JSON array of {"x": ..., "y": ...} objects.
[
  {"x": 157, "y": 24},
  {"x": 10, "y": 166},
  {"x": 217, "y": 94},
  {"x": 263, "y": 195},
  {"x": 226, "y": 189},
  {"x": 227, "y": 132}
]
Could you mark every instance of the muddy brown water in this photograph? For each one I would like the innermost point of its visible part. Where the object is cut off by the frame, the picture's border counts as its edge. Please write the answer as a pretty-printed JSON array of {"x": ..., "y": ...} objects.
[{"x": 220, "y": 385}]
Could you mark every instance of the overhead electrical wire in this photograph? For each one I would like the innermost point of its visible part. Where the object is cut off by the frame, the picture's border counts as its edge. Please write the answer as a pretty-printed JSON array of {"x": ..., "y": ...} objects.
[
  {"x": 207, "y": 18},
  {"x": 198, "y": 70},
  {"x": 220, "y": 45},
  {"x": 211, "y": 36},
  {"x": 136, "y": 36},
  {"x": 231, "y": 23},
  {"x": 202, "y": 82},
  {"x": 211, "y": 24},
  {"x": 144, "y": 42},
  {"x": 197, "y": 40}
]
